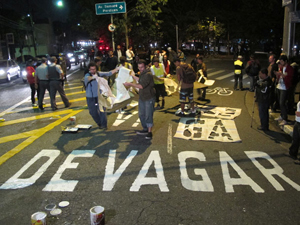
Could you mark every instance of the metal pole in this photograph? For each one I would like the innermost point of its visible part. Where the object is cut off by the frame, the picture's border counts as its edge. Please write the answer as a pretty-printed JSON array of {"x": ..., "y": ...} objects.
[
  {"x": 177, "y": 38},
  {"x": 112, "y": 33}
]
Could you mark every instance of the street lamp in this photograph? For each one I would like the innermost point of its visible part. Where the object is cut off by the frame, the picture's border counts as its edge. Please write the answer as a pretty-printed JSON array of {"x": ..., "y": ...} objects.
[{"x": 60, "y": 3}]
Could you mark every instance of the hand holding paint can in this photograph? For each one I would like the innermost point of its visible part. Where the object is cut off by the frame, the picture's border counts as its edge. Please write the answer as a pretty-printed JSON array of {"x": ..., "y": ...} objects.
[{"x": 97, "y": 215}]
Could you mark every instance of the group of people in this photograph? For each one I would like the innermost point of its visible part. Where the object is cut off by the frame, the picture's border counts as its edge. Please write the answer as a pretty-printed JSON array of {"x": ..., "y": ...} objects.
[{"x": 46, "y": 77}]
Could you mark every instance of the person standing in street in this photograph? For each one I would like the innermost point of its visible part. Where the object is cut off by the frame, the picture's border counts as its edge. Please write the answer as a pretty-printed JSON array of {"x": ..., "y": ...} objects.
[
  {"x": 284, "y": 77},
  {"x": 166, "y": 63},
  {"x": 42, "y": 81},
  {"x": 55, "y": 75},
  {"x": 238, "y": 73},
  {"x": 146, "y": 98},
  {"x": 158, "y": 72},
  {"x": 202, "y": 69},
  {"x": 252, "y": 69},
  {"x": 272, "y": 68},
  {"x": 172, "y": 56},
  {"x": 187, "y": 79},
  {"x": 264, "y": 85},
  {"x": 110, "y": 64},
  {"x": 118, "y": 52},
  {"x": 92, "y": 91},
  {"x": 294, "y": 149},
  {"x": 129, "y": 55},
  {"x": 31, "y": 81}
]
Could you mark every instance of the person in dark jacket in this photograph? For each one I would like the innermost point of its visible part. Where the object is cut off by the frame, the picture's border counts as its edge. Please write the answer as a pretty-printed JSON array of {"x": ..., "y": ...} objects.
[
  {"x": 252, "y": 69},
  {"x": 263, "y": 88}
]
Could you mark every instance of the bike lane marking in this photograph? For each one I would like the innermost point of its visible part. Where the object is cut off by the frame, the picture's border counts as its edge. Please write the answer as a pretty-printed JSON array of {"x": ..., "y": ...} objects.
[{"x": 33, "y": 135}]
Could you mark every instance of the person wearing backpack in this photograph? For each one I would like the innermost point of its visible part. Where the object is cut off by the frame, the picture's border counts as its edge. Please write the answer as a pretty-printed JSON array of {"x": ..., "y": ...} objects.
[
  {"x": 186, "y": 76},
  {"x": 92, "y": 91},
  {"x": 252, "y": 69}
]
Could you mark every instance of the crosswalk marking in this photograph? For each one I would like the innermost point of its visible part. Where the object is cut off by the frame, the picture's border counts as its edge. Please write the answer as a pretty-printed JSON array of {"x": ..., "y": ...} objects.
[
  {"x": 215, "y": 73},
  {"x": 224, "y": 76}
]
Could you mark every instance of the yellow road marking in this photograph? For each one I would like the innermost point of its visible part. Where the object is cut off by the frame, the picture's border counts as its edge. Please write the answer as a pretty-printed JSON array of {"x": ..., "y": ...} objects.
[
  {"x": 71, "y": 88},
  {"x": 34, "y": 135},
  {"x": 42, "y": 116}
]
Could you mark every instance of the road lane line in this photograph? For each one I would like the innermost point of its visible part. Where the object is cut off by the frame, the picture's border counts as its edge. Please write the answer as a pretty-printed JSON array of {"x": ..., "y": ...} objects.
[
  {"x": 169, "y": 140},
  {"x": 215, "y": 73},
  {"x": 42, "y": 116},
  {"x": 14, "y": 106},
  {"x": 70, "y": 74},
  {"x": 34, "y": 136},
  {"x": 225, "y": 76}
]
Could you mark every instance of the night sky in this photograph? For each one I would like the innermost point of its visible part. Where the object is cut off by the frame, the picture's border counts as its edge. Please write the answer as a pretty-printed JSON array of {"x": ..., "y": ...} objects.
[{"x": 41, "y": 8}]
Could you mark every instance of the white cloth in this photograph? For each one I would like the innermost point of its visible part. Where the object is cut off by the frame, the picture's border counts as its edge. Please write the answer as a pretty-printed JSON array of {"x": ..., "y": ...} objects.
[
  {"x": 281, "y": 84},
  {"x": 129, "y": 55},
  {"x": 106, "y": 97},
  {"x": 298, "y": 110},
  {"x": 119, "y": 90},
  {"x": 170, "y": 85}
]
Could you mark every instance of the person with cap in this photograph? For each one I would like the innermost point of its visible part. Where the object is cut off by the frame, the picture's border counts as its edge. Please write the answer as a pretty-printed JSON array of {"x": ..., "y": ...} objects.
[
  {"x": 55, "y": 75},
  {"x": 158, "y": 72},
  {"x": 284, "y": 77},
  {"x": 238, "y": 74},
  {"x": 42, "y": 81}
]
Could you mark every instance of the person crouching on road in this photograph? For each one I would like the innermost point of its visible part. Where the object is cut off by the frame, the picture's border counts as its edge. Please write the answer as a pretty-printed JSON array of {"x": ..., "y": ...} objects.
[
  {"x": 158, "y": 72},
  {"x": 92, "y": 91},
  {"x": 264, "y": 85},
  {"x": 146, "y": 98}
]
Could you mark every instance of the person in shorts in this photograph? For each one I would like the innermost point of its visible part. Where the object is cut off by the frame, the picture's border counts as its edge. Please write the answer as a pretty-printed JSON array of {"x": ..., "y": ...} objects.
[{"x": 186, "y": 90}]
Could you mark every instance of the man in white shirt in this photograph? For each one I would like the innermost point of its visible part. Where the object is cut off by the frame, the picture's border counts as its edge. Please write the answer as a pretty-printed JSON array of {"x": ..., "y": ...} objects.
[{"x": 129, "y": 55}]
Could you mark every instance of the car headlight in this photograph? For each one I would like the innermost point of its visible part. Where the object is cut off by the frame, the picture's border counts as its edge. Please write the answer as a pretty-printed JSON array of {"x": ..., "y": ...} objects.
[
  {"x": 2, "y": 72},
  {"x": 69, "y": 55},
  {"x": 72, "y": 60},
  {"x": 24, "y": 73}
]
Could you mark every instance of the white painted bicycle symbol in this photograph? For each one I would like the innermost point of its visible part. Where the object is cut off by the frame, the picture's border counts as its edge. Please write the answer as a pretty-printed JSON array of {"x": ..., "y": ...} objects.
[{"x": 220, "y": 91}]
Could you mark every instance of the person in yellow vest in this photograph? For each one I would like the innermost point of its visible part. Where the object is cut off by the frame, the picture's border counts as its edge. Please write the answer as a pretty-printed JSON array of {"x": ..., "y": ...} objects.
[
  {"x": 158, "y": 72},
  {"x": 238, "y": 74}
]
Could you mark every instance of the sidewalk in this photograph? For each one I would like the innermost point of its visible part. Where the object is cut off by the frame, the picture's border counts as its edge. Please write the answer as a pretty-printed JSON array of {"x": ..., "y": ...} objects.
[{"x": 249, "y": 100}]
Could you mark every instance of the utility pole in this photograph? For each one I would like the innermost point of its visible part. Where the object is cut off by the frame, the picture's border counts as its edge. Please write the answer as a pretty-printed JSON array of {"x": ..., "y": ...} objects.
[{"x": 287, "y": 27}]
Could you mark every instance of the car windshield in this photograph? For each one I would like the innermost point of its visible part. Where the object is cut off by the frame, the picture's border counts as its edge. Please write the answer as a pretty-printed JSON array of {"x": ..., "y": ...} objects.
[{"x": 3, "y": 63}]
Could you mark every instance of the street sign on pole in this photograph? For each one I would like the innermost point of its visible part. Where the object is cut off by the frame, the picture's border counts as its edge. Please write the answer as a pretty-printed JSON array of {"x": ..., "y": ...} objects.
[
  {"x": 110, "y": 8},
  {"x": 295, "y": 17},
  {"x": 111, "y": 27},
  {"x": 286, "y": 2}
]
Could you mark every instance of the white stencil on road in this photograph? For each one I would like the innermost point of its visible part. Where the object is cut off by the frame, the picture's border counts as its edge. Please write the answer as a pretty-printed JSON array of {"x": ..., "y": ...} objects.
[
  {"x": 16, "y": 182},
  {"x": 207, "y": 130},
  {"x": 122, "y": 118},
  {"x": 219, "y": 112}
]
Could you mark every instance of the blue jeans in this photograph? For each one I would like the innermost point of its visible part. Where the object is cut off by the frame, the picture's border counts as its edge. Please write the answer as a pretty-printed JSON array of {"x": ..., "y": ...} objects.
[
  {"x": 146, "y": 110},
  {"x": 98, "y": 116}
]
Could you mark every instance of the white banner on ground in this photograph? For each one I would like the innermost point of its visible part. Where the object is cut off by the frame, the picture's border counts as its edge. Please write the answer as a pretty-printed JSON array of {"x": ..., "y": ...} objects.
[
  {"x": 170, "y": 85},
  {"x": 207, "y": 130}
]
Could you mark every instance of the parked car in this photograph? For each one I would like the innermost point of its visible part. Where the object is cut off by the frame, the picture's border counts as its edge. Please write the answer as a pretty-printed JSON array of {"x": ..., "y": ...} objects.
[
  {"x": 8, "y": 69},
  {"x": 23, "y": 71}
]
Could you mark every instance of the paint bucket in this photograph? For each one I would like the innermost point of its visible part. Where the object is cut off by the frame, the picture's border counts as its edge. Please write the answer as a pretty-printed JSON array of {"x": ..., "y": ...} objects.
[
  {"x": 73, "y": 120},
  {"x": 38, "y": 218},
  {"x": 97, "y": 215}
]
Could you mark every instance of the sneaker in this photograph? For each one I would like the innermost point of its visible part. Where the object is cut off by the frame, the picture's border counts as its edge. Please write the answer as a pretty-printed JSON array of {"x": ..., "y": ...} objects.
[
  {"x": 297, "y": 161},
  {"x": 142, "y": 132},
  {"x": 149, "y": 135},
  {"x": 279, "y": 118},
  {"x": 283, "y": 122},
  {"x": 181, "y": 114},
  {"x": 34, "y": 105}
]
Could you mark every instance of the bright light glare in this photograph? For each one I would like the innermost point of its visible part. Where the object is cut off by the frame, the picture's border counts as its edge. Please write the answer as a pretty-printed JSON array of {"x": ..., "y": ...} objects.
[
  {"x": 60, "y": 4},
  {"x": 2, "y": 72}
]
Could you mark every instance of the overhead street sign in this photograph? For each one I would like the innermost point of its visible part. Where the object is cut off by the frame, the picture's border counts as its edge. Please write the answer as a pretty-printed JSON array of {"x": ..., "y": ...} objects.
[
  {"x": 110, "y": 8},
  {"x": 286, "y": 2}
]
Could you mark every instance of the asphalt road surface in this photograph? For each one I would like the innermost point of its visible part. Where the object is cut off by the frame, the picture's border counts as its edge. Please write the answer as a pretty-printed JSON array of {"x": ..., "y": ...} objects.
[{"x": 230, "y": 174}]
